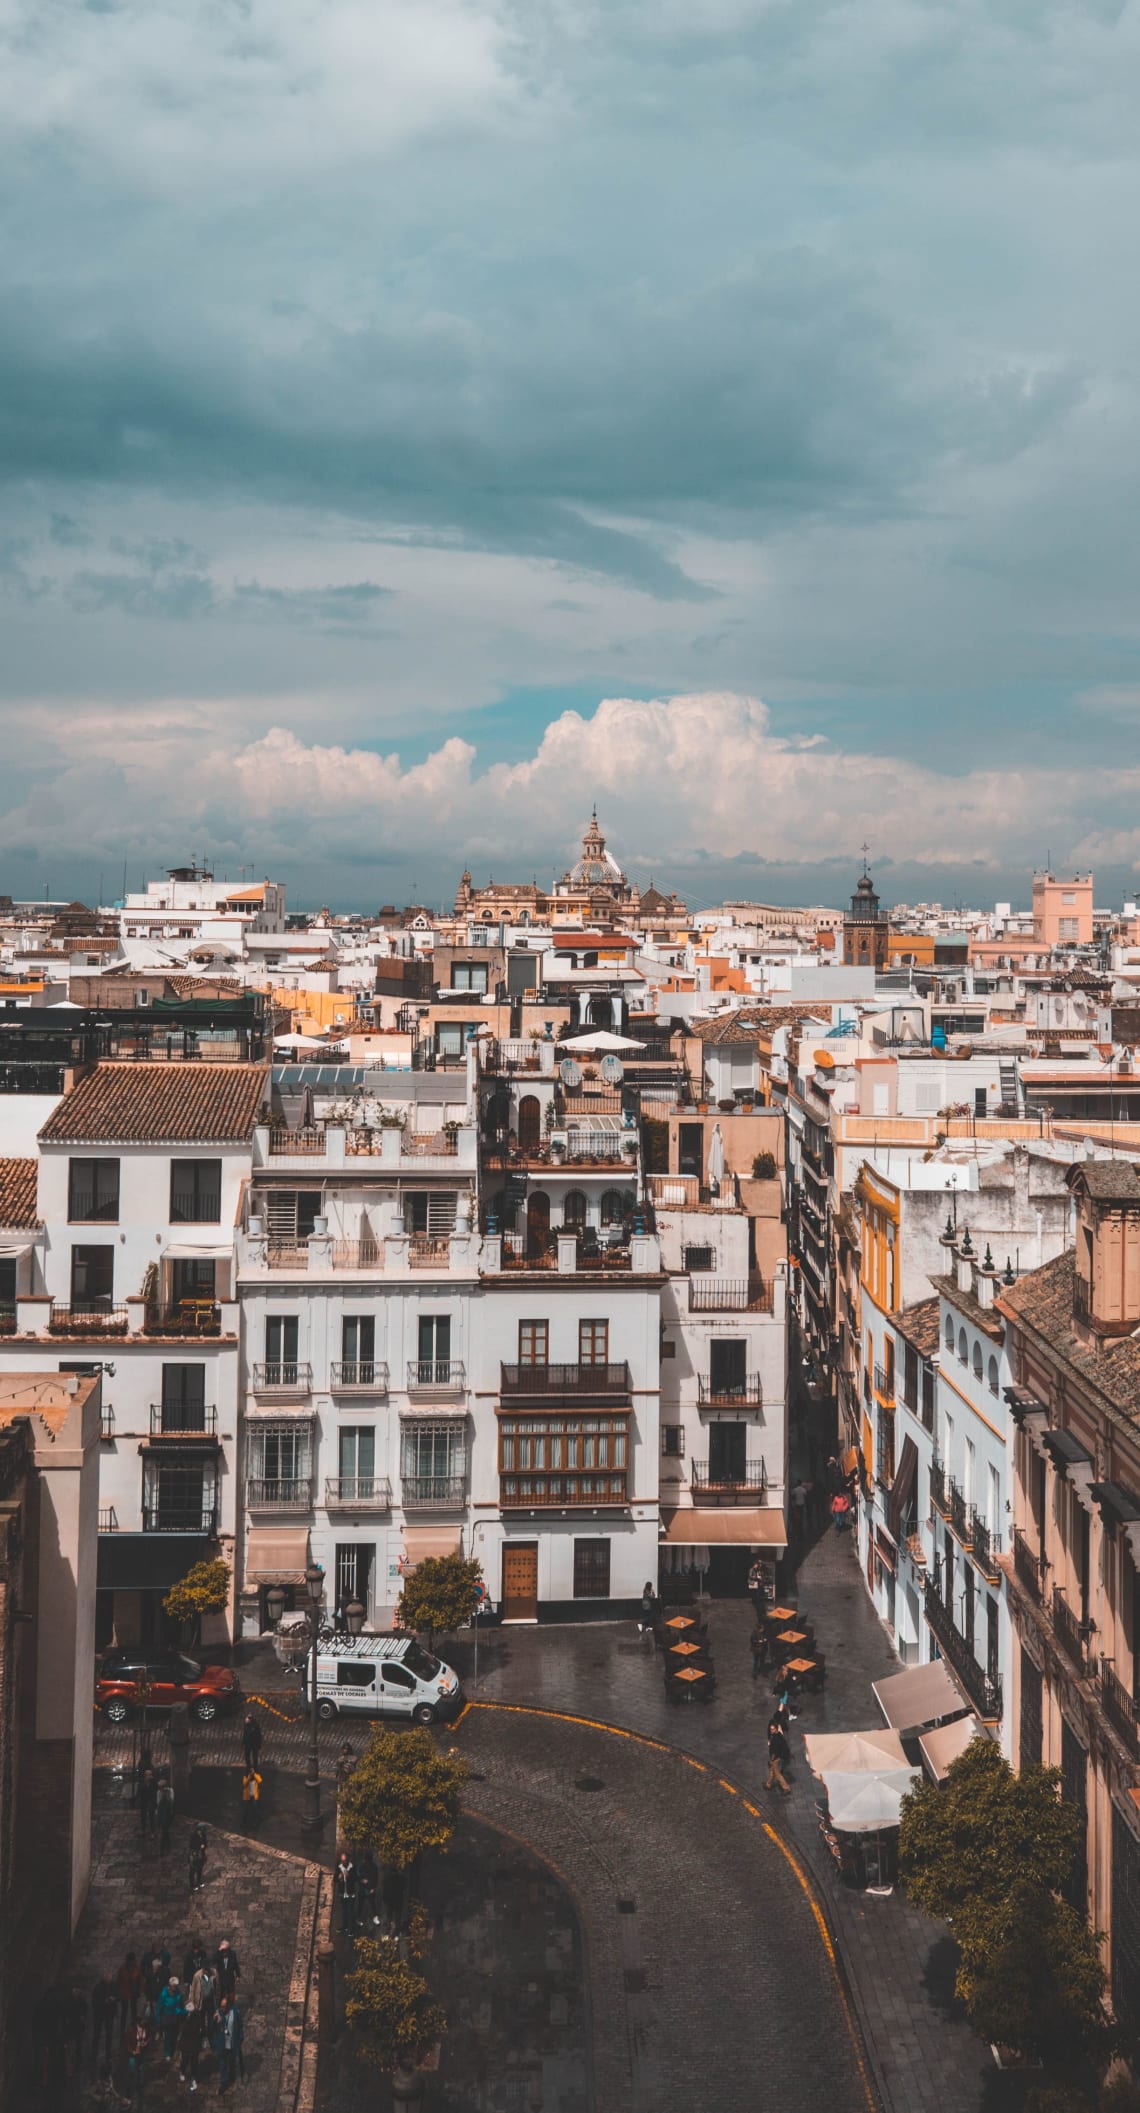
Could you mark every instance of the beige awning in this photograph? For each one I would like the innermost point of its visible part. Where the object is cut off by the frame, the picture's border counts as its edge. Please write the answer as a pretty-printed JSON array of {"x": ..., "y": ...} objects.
[
  {"x": 729, "y": 1526},
  {"x": 939, "y": 1748},
  {"x": 431, "y": 1540},
  {"x": 186, "y": 1251},
  {"x": 276, "y": 1555},
  {"x": 922, "y": 1696}
]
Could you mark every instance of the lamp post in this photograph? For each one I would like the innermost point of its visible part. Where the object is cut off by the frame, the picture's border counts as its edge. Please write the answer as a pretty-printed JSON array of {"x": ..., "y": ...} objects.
[{"x": 312, "y": 1822}]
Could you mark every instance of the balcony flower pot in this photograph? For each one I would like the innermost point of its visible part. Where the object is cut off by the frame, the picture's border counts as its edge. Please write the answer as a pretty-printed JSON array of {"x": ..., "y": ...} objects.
[{"x": 557, "y": 1152}]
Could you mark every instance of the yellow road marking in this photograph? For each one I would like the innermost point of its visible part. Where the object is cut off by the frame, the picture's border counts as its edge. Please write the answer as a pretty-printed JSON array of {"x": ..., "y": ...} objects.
[{"x": 263, "y": 1704}]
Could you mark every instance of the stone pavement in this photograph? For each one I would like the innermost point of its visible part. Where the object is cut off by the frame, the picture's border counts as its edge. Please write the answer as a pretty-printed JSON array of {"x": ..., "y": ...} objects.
[
  {"x": 898, "y": 1963},
  {"x": 253, "y": 1896},
  {"x": 506, "y": 1963}
]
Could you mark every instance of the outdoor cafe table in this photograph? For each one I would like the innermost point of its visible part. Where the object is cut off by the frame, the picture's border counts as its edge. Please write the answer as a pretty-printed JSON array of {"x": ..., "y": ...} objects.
[
  {"x": 778, "y": 1616},
  {"x": 689, "y": 1682},
  {"x": 687, "y": 1649}
]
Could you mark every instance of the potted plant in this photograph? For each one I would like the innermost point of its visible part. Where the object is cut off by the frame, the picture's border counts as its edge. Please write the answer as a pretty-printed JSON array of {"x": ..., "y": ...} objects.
[{"x": 451, "y": 1135}]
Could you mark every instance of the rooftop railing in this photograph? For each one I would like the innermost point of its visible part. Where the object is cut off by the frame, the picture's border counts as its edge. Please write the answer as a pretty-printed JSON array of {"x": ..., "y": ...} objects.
[{"x": 84, "y": 1320}]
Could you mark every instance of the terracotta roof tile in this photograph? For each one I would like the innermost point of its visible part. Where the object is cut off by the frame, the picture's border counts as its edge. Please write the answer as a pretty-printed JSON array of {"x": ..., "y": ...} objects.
[
  {"x": 192, "y": 1104},
  {"x": 918, "y": 1325},
  {"x": 1042, "y": 1302},
  {"x": 18, "y": 1192}
]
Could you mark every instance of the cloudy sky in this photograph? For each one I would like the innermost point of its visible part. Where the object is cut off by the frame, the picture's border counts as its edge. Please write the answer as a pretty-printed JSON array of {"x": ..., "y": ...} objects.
[{"x": 420, "y": 418}]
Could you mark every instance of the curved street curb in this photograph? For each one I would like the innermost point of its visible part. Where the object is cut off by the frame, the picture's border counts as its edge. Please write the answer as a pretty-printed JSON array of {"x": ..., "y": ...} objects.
[{"x": 860, "y": 2046}]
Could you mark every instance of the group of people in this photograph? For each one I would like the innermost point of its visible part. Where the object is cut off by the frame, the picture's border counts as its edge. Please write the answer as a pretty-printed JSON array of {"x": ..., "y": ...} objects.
[
  {"x": 356, "y": 1883},
  {"x": 843, "y": 1488},
  {"x": 147, "y": 2010}
]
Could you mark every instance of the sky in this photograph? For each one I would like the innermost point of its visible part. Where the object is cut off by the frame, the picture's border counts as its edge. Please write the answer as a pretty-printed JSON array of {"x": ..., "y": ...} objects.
[{"x": 420, "y": 419}]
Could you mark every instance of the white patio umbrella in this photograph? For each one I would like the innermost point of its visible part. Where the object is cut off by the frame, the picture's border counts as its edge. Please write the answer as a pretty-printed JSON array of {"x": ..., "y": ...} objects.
[
  {"x": 600, "y": 1038},
  {"x": 716, "y": 1157},
  {"x": 854, "y": 1752},
  {"x": 298, "y": 1041},
  {"x": 860, "y": 1804}
]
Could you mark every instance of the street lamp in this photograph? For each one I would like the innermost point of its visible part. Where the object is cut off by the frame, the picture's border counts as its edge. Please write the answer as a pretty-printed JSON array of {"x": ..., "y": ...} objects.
[{"x": 314, "y": 1585}]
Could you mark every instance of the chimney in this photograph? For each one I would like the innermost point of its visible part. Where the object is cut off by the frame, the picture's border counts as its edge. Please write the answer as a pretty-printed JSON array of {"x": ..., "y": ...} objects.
[
  {"x": 1106, "y": 1282},
  {"x": 985, "y": 1277},
  {"x": 966, "y": 1259}
]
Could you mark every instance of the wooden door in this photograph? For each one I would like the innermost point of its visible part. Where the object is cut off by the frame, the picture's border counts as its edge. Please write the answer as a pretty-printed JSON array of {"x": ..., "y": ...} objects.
[
  {"x": 530, "y": 1123},
  {"x": 520, "y": 1580}
]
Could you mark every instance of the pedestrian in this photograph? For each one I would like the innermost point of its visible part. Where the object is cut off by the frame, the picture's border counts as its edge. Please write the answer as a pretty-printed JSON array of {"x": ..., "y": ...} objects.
[
  {"x": 779, "y": 1752},
  {"x": 250, "y": 1797},
  {"x": 834, "y": 1474},
  {"x": 227, "y": 1968},
  {"x": 103, "y": 2093},
  {"x": 129, "y": 1982},
  {"x": 164, "y": 1813},
  {"x": 155, "y": 1973},
  {"x": 840, "y": 1508},
  {"x": 169, "y": 2012},
  {"x": 104, "y": 2012},
  {"x": 228, "y": 2033},
  {"x": 195, "y": 1959},
  {"x": 142, "y": 1763},
  {"x": 196, "y": 1857},
  {"x": 204, "y": 1991},
  {"x": 756, "y": 1587},
  {"x": 758, "y": 1645},
  {"x": 345, "y": 1763},
  {"x": 799, "y": 1507},
  {"x": 138, "y": 2040},
  {"x": 344, "y": 1880},
  {"x": 251, "y": 1740},
  {"x": 647, "y": 1612},
  {"x": 367, "y": 1888},
  {"x": 190, "y": 2045},
  {"x": 148, "y": 1800},
  {"x": 340, "y": 1617}
]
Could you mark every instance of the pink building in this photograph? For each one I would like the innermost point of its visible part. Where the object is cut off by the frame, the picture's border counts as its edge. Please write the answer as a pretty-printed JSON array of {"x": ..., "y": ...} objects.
[{"x": 1063, "y": 910}]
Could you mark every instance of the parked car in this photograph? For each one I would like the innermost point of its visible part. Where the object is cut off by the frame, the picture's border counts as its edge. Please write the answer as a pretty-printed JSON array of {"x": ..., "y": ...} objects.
[
  {"x": 383, "y": 1676},
  {"x": 172, "y": 1677}
]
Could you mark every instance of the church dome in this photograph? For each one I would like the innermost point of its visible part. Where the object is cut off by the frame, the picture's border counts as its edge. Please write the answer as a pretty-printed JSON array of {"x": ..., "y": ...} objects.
[{"x": 597, "y": 867}]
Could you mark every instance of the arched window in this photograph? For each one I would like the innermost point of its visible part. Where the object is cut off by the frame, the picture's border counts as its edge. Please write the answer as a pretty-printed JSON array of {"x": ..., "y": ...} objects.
[
  {"x": 992, "y": 1375},
  {"x": 963, "y": 1348},
  {"x": 616, "y": 1204},
  {"x": 574, "y": 1209},
  {"x": 977, "y": 1360},
  {"x": 949, "y": 1333}
]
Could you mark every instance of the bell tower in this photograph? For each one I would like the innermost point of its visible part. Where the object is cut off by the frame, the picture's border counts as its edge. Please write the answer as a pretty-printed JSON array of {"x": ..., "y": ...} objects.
[{"x": 866, "y": 927}]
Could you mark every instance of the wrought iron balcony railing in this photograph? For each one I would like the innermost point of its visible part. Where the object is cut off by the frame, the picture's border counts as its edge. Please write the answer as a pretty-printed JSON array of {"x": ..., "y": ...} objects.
[
  {"x": 170, "y": 1420},
  {"x": 438, "y": 1375},
  {"x": 433, "y": 1492},
  {"x": 984, "y": 1692},
  {"x": 279, "y": 1493},
  {"x": 283, "y": 1376},
  {"x": 352, "y": 1375},
  {"x": 357, "y": 1493},
  {"x": 1028, "y": 1568},
  {"x": 1119, "y": 1706},
  {"x": 744, "y": 1393},
  {"x": 750, "y": 1481},
  {"x": 1071, "y": 1633},
  {"x": 581, "y": 1381}
]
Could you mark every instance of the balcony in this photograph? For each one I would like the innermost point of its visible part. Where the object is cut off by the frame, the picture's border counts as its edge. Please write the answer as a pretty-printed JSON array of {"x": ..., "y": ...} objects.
[
  {"x": 358, "y": 1254},
  {"x": 572, "y": 1382},
  {"x": 433, "y": 1492},
  {"x": 984, "y": 1693},
  {"x": 1070, "y": 1632},
  {"x": 425, "y": 1252},
  {"x": 292, "y": 1493},
  {"x": 284, "y": 1379},
  {"x": 1028, "y": 1568},
  {"x": 1119, "y": 1707},
  {"x": 170, "y": 1421},
  {"x": 749, "y": 1485},
  {"x": 184, "y": 1317},
  {"x": 885, "y": 1386},
  {"x": 87, "y": 1321},
  {"x": 958, "y": 1513},
  {"x": 180, "y": 1518},
  {"x": 297, "y": 1144},
  {"x": 938, "y": 1486},
  {"x": 108, "y": 1519},
  {"x": 7, "y": 1320},
  {"x": 747, "y": 1393},
  {"x": 357, "y": 1493},
  {"x": 436, "y": 1375},
  {"x": 358, "y": 1375},
  {"x": 985, "y": 1546},
  {"x": 729, "y": 1295}
]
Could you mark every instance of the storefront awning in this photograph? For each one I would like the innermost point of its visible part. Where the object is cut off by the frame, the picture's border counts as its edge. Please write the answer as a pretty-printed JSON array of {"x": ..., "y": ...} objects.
[
  {"x": 733, "y": 1526},
  {"x": 148, "y": 1562},
  {"x": 420, "y": 1541},
  {"x": 184, "y": 1251},
  {"x": 918, "y": 1698},
  {"x": 12, "y": 1245},
  {"x": 939, "y": 1748},
  {"x": 276, "y": 1555},
  {"x": 438, "y": 1412}
]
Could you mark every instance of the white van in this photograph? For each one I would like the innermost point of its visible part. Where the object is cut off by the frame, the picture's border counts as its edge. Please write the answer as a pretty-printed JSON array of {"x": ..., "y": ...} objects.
[{"x": 383, "y": 1676}]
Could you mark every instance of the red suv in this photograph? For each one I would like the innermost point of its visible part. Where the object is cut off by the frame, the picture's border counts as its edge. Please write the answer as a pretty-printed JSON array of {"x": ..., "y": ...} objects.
[{"x": 171, "y": 1677}]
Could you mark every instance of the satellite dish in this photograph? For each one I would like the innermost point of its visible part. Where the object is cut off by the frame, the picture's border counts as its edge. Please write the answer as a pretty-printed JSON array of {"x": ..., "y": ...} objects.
[
  {"x": 611, "y": 1070},
  {"x": 569, "y": 1072}
]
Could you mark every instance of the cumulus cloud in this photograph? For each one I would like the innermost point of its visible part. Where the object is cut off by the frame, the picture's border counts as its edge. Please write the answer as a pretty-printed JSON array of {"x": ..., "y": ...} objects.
[{"x": 678, "y": 780}]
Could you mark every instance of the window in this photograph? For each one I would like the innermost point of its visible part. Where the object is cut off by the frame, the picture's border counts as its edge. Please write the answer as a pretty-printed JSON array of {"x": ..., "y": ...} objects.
[
  {"x": 280, "y": 1461},
  {"x": 355, "y": 1672},
  {"x": 434, "y": 1337},
  {"x": 449, "y": 1038},
  {"x": 617, "y": 1206},
  {"x": 690, "y": 1148},
  {"x": 92, "y": 1279},
  {"x": 564, "y": 1459},
  {"x": 591, "y": 1569},
  {"x": 977, "y": 1361},
  {"x": 357, "y": 1461},
  {"x": 963, "y": 1348},
  {"x": 180, "y": 1493},
  {"x": 910, "y": 1376},
  {"x": 886, "y": 1446},
  {"x": 354, "y": 1581},
  {"x": 191, "y": 1279},
  {"x": 184, "y": 1397},
  {"x": 574, "y": 1209},
  {"x": 928, "y": 1397},
  {"x": 281, "y": 1336},
  {"x": 358, "y": 1348},
  {"x": 673, "y": 1440},
  {"x": 290, "y": 1214},
  {"x": 430, "y": 1212},
  {"x": 593, "y": 1342},
  {"x": 728, "y": 1368},
  {"x": 992, "y": 1375},
  {"x": 534, "y": 1342},
  {"x": 195, "y": 1191},
  {"x": 949, "y": 1332},
  {"x": 698, "y": 1259},
  {"x": 1068, "y": 928},
  {"x": 469, "y": 975},
  {"x": 93, "y": 1191},
  {"x": 7, "y": 1286},
  {"x": 433, "y": 1461}
]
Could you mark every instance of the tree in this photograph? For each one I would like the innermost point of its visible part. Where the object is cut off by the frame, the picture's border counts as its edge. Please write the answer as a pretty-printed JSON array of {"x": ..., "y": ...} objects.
[
  {"x": 402, "y": 1797},
  {"x": 1032, "y": 1978},
  {"x": 442, "y": 1592},
  {"x": 965, "y": 1846},
  {"x": 205, "y": 1589},
  {"x": 390, "y": 2006}
]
